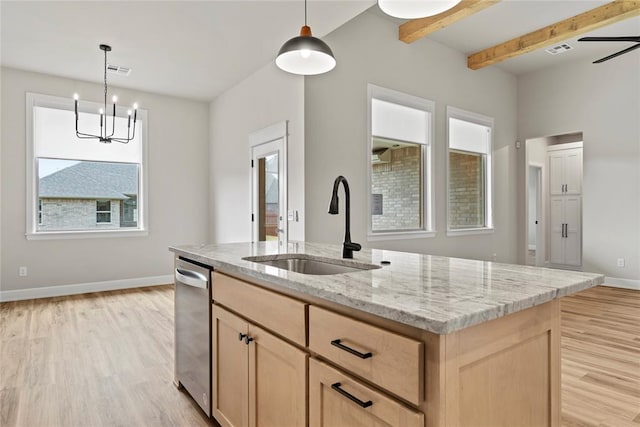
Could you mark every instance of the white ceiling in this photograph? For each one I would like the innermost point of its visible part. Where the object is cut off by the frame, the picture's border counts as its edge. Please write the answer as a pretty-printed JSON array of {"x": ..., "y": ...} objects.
[
  {"x": 198, "y": 49},
  {"x": 193, "y": 49}
]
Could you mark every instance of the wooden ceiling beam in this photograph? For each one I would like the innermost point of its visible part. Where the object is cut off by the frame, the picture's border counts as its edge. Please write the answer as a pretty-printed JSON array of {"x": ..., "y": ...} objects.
[
  {"x": 416, "y": 29},
  {"x": 601, "y": 16}
]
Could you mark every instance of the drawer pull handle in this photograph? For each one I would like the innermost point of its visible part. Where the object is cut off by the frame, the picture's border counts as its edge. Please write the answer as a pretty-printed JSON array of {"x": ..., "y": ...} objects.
[
  {"x": 341, "y": 346},
  {"x": 350, "y": 396}
]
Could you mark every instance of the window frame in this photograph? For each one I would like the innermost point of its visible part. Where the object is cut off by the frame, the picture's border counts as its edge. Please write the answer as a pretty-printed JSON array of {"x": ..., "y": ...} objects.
[
  {"x": 98, "y": 212},
  {"x": 428, "y": 196},
  {"x": 32, "y": 232},
  {"x": 480, "y": 119}
]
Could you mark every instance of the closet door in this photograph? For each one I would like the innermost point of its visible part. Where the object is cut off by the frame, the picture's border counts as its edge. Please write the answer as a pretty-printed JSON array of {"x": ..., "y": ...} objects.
[
  {"x": 556, "y": 255},
  {"x": 573, "y": 171},
  {"x": 572, "y": 240},
  {"x": 556, "y": 173}
]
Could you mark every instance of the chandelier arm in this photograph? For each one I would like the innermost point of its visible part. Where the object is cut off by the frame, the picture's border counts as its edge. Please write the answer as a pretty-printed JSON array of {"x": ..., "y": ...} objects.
[
  {"x": 86, "y": 136},
  {"x": 113, "y": 121}
]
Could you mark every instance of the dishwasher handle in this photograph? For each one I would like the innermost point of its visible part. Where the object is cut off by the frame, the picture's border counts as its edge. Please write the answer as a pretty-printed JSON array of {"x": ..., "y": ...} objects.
[{"x": 192, "y": 278}]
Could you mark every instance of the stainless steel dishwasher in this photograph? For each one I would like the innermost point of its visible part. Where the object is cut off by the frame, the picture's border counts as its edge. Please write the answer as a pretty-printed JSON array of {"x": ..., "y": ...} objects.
[{"x": 192, "y": 336}]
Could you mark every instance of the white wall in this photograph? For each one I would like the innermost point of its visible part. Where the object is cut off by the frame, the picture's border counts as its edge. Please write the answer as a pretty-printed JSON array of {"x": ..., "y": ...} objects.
[
  {"x": 268, "y": 96},
  {"x": 602, "y": 101},
  {"x": 368, "y": 51},
  {"x": 178, "y": 189}
]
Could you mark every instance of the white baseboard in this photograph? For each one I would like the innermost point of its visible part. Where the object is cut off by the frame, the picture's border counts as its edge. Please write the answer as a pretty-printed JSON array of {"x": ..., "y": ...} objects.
[
  {"x": 622, "y": 283},
  {"x": 83, "y": 288}
]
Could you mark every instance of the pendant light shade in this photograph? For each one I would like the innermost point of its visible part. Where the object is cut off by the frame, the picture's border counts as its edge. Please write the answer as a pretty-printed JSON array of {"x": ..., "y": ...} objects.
[
  {"x": 412, "y": 9},
  {"x": 305, "y": 54}
]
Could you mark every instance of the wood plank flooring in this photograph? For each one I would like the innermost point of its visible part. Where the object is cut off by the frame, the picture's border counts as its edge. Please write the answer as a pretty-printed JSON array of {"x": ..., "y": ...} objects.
[
  {"x": 601, "y": 358},
  {"x": 103, "y": 359},
  {"x": 106, "y": 359}
]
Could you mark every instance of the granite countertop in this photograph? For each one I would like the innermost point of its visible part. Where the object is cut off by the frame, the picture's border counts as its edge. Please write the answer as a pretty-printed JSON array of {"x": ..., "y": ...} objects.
[{"x": 433, "y": 293}]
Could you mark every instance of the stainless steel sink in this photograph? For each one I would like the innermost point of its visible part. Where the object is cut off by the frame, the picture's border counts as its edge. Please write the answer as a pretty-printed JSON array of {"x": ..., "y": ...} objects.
[{"x": 306, "y": 264}]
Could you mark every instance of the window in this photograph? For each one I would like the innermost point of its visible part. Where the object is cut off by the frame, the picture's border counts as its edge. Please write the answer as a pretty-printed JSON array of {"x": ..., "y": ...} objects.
[
  {"x": 82, "y": 187},
  {"x": 103, "y": 211},
  {"x": 399, "y": 152},
  {"x": 469, "y": 183}
]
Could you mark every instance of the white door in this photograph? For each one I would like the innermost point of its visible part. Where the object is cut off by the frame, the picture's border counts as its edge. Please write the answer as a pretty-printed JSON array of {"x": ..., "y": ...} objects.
[
  {"x": 572, "y": 240},
  {"x": 556, "y": 173},
  {"x": 573, "y": 171},
  {"x": 269, "y": 184},
  {"x": 556, "y": 244}
]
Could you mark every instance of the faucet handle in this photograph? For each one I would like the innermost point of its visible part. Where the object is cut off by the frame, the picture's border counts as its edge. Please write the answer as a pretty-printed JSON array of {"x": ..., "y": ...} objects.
[{"x": 353, "y": 246}]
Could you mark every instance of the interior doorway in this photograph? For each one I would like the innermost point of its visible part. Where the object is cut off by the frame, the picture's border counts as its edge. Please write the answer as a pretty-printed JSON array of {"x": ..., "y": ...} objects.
[
  {"x": 269, "y": 184},
  {"x": 535, "y": 237},
  {"x": 553, "y": 201}
]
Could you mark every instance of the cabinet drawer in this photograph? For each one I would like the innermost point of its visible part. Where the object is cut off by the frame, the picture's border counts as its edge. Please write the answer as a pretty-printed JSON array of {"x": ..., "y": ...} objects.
[
  {"x": 389, "y": 360},
  {"x": 336, "y": 399},
  {"x": 284, "y": 315}
]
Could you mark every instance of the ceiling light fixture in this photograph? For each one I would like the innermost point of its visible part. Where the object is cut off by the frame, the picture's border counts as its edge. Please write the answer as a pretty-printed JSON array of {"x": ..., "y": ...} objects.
[
  {"x": 305, "y": 54},
  {"x": 413, "y": 9},
  {"x": 103, "y": 137}
]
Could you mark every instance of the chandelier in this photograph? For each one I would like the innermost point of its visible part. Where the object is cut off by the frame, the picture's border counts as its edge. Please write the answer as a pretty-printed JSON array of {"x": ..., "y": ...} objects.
[{"x": 104, "y": 136}]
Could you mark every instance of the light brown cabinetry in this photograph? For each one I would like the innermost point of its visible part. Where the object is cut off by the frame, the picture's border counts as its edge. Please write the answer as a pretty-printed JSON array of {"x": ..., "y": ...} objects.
[
  {"x": 259, "y": 379},
  {"x": 389, "y": 360},
  {"x": 369, "y": 371},
  {"x": 336, "y": 399}
]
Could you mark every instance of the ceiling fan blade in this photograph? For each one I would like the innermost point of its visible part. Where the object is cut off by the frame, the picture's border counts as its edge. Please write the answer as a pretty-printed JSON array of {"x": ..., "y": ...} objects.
[
  {"x": 611, "y": 39},
  {"x": 629, "y": 49}
]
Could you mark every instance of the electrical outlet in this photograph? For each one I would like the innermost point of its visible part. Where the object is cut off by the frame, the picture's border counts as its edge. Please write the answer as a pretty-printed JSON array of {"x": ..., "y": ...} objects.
[
  {"x": 494, "y": 257},
  {"x": 620, "y": 262},
  {"x": 22, "y": 271}
]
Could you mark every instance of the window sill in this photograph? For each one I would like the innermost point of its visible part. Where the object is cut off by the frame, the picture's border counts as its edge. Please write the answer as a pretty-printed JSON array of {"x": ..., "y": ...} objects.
[
  {"x": 469, "y": 231},
  {"x": 400, "y": 235},
  {"x": 85, "y": 234}
]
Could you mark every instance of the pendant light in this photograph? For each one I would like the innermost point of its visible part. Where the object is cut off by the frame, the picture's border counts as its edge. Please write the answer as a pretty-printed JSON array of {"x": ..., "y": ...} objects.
[
  {"x": 412, "y": 9},
  {"x": 305, "y": 54},
  {"x": 105, "y": 136}
]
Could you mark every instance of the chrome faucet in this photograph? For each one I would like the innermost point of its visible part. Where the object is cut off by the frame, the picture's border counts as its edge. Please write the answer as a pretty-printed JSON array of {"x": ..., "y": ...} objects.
[{"x": 348, "y": 246}]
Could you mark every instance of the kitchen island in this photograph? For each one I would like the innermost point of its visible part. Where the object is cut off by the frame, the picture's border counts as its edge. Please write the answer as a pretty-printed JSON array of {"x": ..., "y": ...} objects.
[{"x": 423, "y": 340}]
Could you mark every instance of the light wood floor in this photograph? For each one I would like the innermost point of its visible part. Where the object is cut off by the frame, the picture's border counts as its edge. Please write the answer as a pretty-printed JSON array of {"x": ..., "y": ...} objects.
[
  {"x": 601, "y": 358},
  {"x": 107, "y": 359},
  {"x": 103, "y": 359}
]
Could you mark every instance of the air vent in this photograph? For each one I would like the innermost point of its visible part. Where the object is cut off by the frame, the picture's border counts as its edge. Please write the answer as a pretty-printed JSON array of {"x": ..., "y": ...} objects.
[
  {"x": 116, "y": 69},
  {"x": 559, "y": 49}
]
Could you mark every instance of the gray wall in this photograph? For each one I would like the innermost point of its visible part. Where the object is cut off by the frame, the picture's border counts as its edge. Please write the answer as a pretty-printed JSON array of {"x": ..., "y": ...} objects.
[
  {"x": 178, "y": 190},
  {"x": 267, "y": 97},
  {"x": 602, "y": 101},
  {"x": 368, "y": 51}
]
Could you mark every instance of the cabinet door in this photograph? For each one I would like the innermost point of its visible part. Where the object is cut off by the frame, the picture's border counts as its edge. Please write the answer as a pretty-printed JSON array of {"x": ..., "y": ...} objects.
[
  {"x": 556, "y": 245},
  {"x": 573, "y": 171},
  {"x": 556, "y": 173},
  {"x": 277, "y": 381},
  {"x": 572, "y": 241},
  {"x": 229, "y": 366},
  {"x": 331, "y": 405}
]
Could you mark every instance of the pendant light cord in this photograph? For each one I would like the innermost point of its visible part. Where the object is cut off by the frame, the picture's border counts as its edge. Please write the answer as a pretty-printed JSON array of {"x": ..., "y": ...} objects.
[
  {"x": 105, "y": 92},
  {"x": 305, "y": 13}
]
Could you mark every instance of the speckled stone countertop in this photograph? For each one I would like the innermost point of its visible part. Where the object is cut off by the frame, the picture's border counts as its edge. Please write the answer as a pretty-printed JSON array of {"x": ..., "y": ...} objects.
[{"x": 434, "y": 293}]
